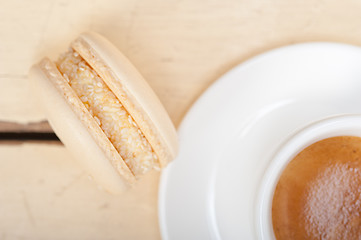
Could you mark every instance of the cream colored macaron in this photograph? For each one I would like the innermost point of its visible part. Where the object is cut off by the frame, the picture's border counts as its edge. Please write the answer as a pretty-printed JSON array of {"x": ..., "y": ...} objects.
[{"x": 104, "y": 112}]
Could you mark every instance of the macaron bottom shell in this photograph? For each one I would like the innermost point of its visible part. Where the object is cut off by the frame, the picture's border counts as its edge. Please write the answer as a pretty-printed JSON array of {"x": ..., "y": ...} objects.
[{"x": 76, "y": 136}]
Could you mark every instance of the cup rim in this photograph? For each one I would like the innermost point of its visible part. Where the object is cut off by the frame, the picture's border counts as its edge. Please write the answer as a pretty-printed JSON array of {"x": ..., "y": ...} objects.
[{"x": 342, "y": 125}]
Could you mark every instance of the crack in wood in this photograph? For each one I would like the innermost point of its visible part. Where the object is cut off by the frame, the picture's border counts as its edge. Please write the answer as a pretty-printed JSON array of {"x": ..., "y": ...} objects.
[
  {"x": 12, "y": 133},
  {"x": 28, "y": 136},
  {"x": 28, "y": 210}
]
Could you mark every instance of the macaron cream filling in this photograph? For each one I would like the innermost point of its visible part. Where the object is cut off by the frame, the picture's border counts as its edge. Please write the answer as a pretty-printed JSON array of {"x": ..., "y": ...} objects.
[{"x": 109, "y": 113}]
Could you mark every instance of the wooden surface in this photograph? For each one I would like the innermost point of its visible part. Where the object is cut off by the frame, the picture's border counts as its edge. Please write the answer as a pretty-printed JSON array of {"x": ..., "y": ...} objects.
[{"x": 180, "y": 46}]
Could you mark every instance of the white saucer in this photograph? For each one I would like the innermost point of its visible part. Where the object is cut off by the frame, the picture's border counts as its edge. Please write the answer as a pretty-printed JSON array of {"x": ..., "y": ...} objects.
[{"x": 232, "y": 132}]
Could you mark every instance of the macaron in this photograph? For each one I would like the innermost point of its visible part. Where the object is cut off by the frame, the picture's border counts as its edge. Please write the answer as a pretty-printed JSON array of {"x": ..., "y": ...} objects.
[{"x": 104, "y": 112}]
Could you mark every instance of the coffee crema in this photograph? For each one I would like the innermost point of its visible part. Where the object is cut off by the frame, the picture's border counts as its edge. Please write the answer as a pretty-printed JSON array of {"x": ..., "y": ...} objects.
[{"x": 318, "y": 195}]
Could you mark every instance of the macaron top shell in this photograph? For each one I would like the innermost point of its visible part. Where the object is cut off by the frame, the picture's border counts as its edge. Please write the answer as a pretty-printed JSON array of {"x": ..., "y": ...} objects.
[{"x": 132, "y": 91}]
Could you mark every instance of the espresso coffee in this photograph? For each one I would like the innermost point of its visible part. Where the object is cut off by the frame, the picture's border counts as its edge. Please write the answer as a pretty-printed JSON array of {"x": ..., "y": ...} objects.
[{"x": 318, "y": 195}]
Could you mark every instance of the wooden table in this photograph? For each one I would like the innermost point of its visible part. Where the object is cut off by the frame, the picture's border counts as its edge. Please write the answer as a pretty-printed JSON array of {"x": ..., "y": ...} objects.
[{"x": 180, "y": 46}]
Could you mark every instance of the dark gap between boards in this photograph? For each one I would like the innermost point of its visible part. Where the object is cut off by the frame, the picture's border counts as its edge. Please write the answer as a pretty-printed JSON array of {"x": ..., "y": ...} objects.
[{"x": 28, "y": 136}]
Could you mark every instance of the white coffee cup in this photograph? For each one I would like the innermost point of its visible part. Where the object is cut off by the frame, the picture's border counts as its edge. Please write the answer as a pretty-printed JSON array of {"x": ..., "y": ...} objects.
[{"x": 345, "y": 125}]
